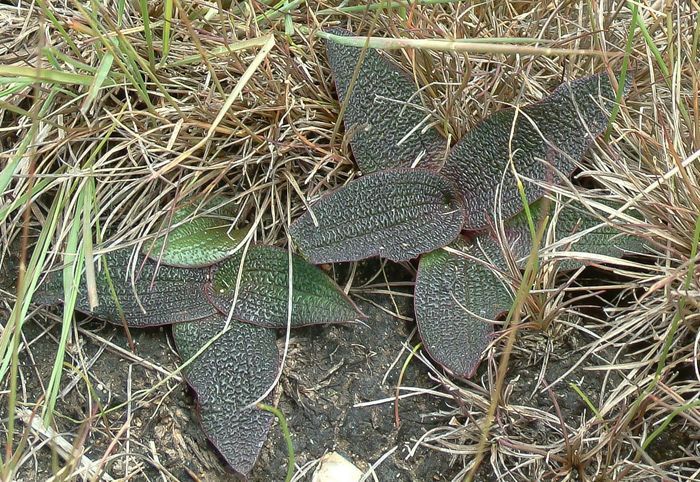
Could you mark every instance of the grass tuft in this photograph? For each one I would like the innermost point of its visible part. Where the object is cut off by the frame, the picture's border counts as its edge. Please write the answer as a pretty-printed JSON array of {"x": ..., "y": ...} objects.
[{"x": 113, "y": 114}]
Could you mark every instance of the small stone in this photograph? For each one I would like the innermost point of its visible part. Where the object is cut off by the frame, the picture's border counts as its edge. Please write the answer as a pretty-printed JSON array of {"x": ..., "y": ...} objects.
[{"x": 333, "y": 467}]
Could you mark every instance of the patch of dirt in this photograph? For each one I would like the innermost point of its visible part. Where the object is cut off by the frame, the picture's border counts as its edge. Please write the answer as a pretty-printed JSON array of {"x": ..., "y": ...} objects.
[
  {"x": 334, "y": 369},
  {"x": 328, "y": 371}
]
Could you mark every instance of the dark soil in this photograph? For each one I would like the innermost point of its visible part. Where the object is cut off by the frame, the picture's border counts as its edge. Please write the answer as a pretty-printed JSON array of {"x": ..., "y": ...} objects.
[{"x": 328, "y": 371}]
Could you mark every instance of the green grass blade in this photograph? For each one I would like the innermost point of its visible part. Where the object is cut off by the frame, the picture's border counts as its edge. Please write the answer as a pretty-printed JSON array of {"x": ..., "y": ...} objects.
[
  {"x": 385, "y": 5},
  {"x": 124, "y": 60},
  {"x": 622, "y": 79},
  {"x": 168, "y": 19},
  {"x": 658, "y": 57},
  {"x": 48, "y": 12},
  {"x": 72, "y": 270},
  {"x": 148, "y": 34},
  {"x": 664, "y": 425},
  {"x": 26, "y": 289},
  {"x": 38, "y": 187},
  {"x": 100, "y": 78},
  {"x": 585, "y": 399},
  {"x": 46, "y": 75}
]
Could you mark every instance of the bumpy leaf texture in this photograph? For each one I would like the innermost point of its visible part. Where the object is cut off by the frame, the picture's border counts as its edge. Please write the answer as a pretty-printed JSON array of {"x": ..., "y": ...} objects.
[
  {"x": 199, "y": 242},
  {"x": 541, "y": 139},
  {"x": 155, "y": 295},
  {"x": 231, "y": 374},
  {"x": 397, "y": 214},
  {"x": 457, "y": 296},
  {"x": 572, "y": 218},
  {"x": 384, "y": 117},
  {"x": 264, "y": 288}
]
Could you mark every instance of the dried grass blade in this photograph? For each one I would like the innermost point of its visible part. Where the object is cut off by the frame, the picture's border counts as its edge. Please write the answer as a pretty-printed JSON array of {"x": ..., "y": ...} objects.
[{"x": 267, "y": 47}]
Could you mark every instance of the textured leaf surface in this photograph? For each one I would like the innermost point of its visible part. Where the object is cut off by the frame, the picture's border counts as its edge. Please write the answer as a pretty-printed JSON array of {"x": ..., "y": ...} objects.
[
  {"x": 546, "y": 136},
  {"x": 384, "y": 116},
  {"x": 201, "y": 241},
  {"x": 456, "y": 296},
  {"x": 157, "y": 296},
  {"x": 264, "y": 288},
  {"x": 454, "y": 299},
  {"x": 231, "y": 374},
  {"x": 572, "y": 218},
  {"x": 396, "y": 214},
  {"x": 607, "y": 240}
]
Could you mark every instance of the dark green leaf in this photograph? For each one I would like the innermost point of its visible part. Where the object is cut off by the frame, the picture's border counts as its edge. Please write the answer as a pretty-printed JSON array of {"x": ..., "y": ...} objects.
[
  {"x": 264, "y": 288},
  {"x": 396, "y": 214},
  {"x": 231, "y": 374},
  {"x": 153, "y": 296},
  {"x": 201, "y": 241},
  {"x": 548, "y": 136},
  {"x": 384, "y": 116},
  {"x": 455, "y": 297},
  {"x": 606, "y": 240}
]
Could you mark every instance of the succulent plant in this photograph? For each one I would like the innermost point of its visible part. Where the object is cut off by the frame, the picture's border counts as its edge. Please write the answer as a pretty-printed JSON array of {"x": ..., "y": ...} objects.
[
  {"x": 459, "y": 291},
  {"x": 196, "y": 277},
  {"x": 400, "y": 212},
  {"x": 416, "y": 197}
]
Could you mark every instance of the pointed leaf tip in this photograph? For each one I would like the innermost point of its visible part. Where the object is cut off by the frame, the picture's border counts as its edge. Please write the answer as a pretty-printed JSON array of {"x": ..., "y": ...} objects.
[
  {"x": 199, "y": 242},
  {"x": 264, "y": 287},
  {"x": 397, "y": 214},
  {"x": 147, "y": 294},
  {"x": 571, "y": 218},
  {"x": 542, "y": 138},
  {"x": 384, "y": 118},
  {"x": 455, "y": 297},
  {"x": 232, "y": 373}
]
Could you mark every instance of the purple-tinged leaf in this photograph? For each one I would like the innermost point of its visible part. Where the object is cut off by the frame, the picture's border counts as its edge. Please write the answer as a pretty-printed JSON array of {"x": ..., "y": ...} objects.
[
  {"x": 457, "y": 295},
  {"x": 397, "y": 214},
  {"x": 455, "y": 298},
  {"x": 571, "y": 218},
  {"x": 543, "y": 140},
  {"x": 263, "y": 291},
  {"x": 155, "y": 295},
  {"x": 232, "y": 373},
  {"x": 384, "y": 117}
]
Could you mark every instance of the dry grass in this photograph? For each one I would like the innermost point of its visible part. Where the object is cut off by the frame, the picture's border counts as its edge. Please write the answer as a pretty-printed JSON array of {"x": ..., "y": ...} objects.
[{"x": 116, "y": 135}]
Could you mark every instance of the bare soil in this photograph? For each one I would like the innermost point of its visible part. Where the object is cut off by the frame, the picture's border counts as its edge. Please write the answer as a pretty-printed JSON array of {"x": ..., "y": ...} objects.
[{"x": 329, "y": 370}]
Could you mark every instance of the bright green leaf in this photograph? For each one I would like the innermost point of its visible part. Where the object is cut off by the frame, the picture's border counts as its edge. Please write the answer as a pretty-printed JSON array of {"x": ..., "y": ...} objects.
[
  {"x": 201, "y": 241},
  {"x": 48, "y": 75},
  {"x": 264, "y": 286},
  {"x": 167, "y": 21},
  {"x": 100, "y": 77},
  {"x": 396, "y": 214}
]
